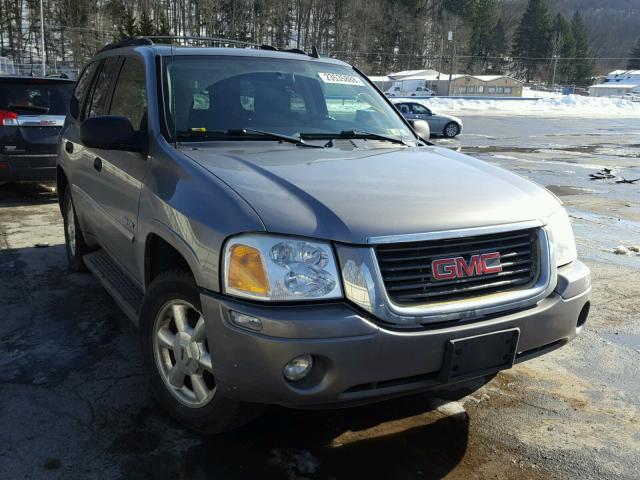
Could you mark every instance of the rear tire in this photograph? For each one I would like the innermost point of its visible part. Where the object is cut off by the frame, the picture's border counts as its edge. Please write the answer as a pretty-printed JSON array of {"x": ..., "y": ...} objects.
[
  {"x": 76, "y": 248},
  {"x": 177, "y": 358},
  {"x": 451, "y": 130}
]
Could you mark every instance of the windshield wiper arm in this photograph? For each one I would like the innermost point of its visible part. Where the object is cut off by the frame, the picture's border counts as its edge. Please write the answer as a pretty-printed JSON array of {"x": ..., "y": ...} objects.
[
  {"x": 30, "y": 108},
  {"x": 275, "y": 136},
  {"x": 241, "y": 132},
  {"x": 371, "y": 135}
]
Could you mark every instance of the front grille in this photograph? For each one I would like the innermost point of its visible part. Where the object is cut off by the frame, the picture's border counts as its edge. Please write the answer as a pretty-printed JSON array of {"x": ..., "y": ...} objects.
[{"x": 408, "y": 279}]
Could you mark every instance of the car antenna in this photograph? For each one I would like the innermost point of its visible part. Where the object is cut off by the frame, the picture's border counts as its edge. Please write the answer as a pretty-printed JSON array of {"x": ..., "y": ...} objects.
[{"x": 314, "y": 52}]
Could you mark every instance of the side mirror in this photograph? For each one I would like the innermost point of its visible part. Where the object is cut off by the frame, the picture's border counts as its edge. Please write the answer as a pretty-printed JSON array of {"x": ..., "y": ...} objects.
[
  {"x": 421, "y": 128},
  {"x": 110, "y": 132}
]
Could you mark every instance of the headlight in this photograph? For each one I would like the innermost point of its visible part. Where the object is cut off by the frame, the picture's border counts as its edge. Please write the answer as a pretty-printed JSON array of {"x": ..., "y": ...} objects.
[
  {"x": 275, "y": 268},
  {"x": 564, "y": 244}
]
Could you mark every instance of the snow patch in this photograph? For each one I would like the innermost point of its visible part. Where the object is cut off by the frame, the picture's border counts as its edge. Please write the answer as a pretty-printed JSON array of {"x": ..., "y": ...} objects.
[{"x": 566, "y": 105}]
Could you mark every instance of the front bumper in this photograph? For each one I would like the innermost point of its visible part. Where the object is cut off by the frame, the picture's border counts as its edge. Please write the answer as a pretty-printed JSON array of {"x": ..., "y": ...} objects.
[
  {"x": 27, "y": 168},
  {"x": 359, "y": 359}
]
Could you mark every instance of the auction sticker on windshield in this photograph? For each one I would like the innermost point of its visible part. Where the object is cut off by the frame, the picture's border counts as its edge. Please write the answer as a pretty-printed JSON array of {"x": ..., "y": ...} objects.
[{"x": 340, "y": 79}]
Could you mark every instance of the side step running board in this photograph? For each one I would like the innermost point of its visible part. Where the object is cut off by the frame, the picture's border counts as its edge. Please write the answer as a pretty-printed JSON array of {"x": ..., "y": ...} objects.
[{"x": 125, "y": 293}]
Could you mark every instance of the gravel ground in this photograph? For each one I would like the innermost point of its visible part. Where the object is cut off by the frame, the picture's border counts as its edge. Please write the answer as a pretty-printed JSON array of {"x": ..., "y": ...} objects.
[{"x": 75, "y": 405}]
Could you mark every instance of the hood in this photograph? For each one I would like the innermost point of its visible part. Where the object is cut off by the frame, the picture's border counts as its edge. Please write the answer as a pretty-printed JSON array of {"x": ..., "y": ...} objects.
[{"x": 347, "y": 193}]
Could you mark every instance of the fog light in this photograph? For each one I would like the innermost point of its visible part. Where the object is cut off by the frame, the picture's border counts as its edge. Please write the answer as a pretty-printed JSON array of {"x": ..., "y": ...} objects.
[
  {"x": 245, "y": 321},
  {"x": 298, "y": 368}
]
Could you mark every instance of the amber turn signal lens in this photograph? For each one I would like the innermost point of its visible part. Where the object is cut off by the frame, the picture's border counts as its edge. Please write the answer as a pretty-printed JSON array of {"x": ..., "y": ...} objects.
[{"x": 246, "y": 270}]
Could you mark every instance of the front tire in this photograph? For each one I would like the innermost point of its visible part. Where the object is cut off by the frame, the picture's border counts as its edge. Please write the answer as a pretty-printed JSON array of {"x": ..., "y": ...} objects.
[
  {"x": 76, "y": 248},
  {"x": 451, "y": 130},
  {"x": 175, "y": 349}
]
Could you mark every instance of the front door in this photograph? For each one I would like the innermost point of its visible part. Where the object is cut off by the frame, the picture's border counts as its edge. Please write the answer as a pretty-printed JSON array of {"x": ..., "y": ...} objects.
[{"x": 120, "y": 173}]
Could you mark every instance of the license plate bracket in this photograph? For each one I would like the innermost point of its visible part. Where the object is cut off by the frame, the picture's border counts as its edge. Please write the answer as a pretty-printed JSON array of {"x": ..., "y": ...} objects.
[{"x": 479, "y": 355}]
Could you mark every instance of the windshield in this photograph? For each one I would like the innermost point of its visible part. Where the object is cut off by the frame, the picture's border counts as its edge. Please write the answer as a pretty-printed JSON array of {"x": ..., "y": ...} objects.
[
  {"x": 289, "y": 97},
  {"x": 37, "y": 96}
]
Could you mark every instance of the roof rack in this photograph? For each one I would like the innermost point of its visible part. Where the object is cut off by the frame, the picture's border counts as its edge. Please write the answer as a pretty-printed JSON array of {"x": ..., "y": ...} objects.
[{"x": 170, "y": 39}]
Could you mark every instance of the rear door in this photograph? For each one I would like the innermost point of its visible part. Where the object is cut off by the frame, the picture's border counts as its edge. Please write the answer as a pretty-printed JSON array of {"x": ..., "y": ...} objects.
[
  {"x": 70, "y": 151},
  {"x": 32, "y": 112},
  {"x": 119, "y": 174}
]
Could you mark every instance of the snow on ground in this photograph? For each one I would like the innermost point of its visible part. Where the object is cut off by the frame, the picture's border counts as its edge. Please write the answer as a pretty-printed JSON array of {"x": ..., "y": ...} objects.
[
  {"x": 565, "y": 105},
  {"x": 532, "y": 92}
]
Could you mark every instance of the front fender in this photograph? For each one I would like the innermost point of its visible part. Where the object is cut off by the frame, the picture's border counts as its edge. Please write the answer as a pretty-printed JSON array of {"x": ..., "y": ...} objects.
[{"x": 193, "y": 211}]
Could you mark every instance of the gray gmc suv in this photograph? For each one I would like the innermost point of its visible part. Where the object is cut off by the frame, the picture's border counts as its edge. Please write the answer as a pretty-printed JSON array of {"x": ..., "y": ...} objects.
[{"x": 282, "y": 235}]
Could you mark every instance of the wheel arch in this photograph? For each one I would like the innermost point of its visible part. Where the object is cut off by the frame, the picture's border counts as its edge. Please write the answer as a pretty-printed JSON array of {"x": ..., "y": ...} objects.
[
  {"x": 61, "y": 185},
  {"x": 167, "y": 252}
]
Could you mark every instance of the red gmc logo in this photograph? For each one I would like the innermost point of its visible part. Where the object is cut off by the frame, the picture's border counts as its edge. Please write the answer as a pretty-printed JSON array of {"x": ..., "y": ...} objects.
[{"x": 457, "y": 267}]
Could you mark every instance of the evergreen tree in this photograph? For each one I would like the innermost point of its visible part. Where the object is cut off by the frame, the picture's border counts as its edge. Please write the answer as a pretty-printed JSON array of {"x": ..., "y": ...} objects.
[
  {"x": 128, "y": 27},
  {"x": 634, "y": 61},
  {"x": 583, "y": 67},
  {"x": 163, "y": 25},
  {"x": 532, "y": 40},
  {"x": 563, "y": 45},
  {"x": 482, "y": 17},
  {"x": 499, "y": 48},
  {"x": 146, "y": 27}
]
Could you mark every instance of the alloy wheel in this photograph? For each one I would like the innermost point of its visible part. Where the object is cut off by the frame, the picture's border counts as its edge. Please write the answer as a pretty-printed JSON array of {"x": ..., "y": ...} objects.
[
  {"x": 181, "y": 352},
  {"x": 71, "y": 228},
  {"x": 451, "y": 130}
]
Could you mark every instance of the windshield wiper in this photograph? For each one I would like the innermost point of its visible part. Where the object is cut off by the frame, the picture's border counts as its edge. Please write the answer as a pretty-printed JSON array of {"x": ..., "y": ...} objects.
[
  {"x": 354, "y": 134},
  {"x": 29, "y": 108},
  {"x": 275, "y": 136},
  {"x": 242, "y": 132}
]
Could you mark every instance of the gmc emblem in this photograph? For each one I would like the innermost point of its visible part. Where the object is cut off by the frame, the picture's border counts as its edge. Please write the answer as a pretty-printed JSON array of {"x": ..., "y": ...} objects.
[{"x": 457, "y": 267}]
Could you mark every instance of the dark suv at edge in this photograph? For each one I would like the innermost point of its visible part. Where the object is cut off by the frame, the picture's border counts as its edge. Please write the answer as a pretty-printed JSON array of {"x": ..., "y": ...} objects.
[{"x": 32, "y": 113}]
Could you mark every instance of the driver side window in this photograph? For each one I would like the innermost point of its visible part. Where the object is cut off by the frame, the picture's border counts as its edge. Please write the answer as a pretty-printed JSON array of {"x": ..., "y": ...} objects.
[{"x": 130, "y": 95}]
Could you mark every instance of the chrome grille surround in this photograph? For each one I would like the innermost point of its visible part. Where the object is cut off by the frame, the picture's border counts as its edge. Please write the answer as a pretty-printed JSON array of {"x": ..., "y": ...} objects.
[{"x": 384, "y": 308}]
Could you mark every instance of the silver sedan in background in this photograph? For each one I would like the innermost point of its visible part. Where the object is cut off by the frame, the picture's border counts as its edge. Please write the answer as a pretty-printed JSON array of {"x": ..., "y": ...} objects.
[{"x": 440, "y": 124}]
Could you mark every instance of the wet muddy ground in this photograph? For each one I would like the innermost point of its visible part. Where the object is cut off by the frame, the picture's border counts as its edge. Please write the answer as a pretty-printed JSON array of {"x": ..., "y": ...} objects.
[{"x": 75, "y": 405}]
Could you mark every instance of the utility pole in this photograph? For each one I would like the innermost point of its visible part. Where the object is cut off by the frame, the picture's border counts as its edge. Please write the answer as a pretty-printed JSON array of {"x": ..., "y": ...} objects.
[
  {"x": 44, "y": 52},
  {"x": 553, "y": 80},
  {"x": 452, "y": 51},
  {"x": 441, "y": 50}
]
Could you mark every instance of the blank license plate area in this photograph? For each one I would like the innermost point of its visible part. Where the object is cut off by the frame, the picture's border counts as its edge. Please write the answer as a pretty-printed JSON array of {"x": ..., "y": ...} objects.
[{"x": 480, "y": 355}]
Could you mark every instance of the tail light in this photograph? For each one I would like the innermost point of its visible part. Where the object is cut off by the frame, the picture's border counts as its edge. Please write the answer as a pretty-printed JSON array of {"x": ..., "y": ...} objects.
[{"x": 8, "y": 118}]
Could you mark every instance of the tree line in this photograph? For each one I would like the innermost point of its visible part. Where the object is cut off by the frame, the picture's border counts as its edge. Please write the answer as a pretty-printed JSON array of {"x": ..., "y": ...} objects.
[{"x": 379, "y": 36}]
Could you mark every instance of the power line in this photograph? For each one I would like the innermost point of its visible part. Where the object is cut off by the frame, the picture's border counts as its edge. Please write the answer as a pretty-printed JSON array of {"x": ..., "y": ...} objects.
[{"x": 483, "y": 57}]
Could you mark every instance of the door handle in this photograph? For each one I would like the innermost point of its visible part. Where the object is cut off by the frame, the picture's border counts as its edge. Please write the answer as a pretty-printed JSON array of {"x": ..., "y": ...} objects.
[
  {"x": 97, "y": 164},
  {"x": 68, "y": 146}
]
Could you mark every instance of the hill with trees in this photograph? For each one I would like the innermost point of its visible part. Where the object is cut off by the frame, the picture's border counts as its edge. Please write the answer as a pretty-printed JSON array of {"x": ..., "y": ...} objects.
[{"x": 378, "y": 36}]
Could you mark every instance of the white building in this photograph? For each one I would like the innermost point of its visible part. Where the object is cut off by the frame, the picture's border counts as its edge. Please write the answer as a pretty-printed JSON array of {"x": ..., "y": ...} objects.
[
  {"x": 610, "y": 89},
  {"x": 383, "y": 82},
  {"x": 624, "y": 76},
  {"x": 617, "y": 83},
  {"x": 414, "y": 73}
]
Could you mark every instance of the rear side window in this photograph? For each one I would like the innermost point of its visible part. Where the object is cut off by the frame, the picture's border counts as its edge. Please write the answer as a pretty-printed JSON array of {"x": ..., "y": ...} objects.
[
  {"x": 102, "y": 88},
  {"x": 83, "y": 85},
  {"x": 35, "y": 97},
  {"x": 130, "y": 94}
]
